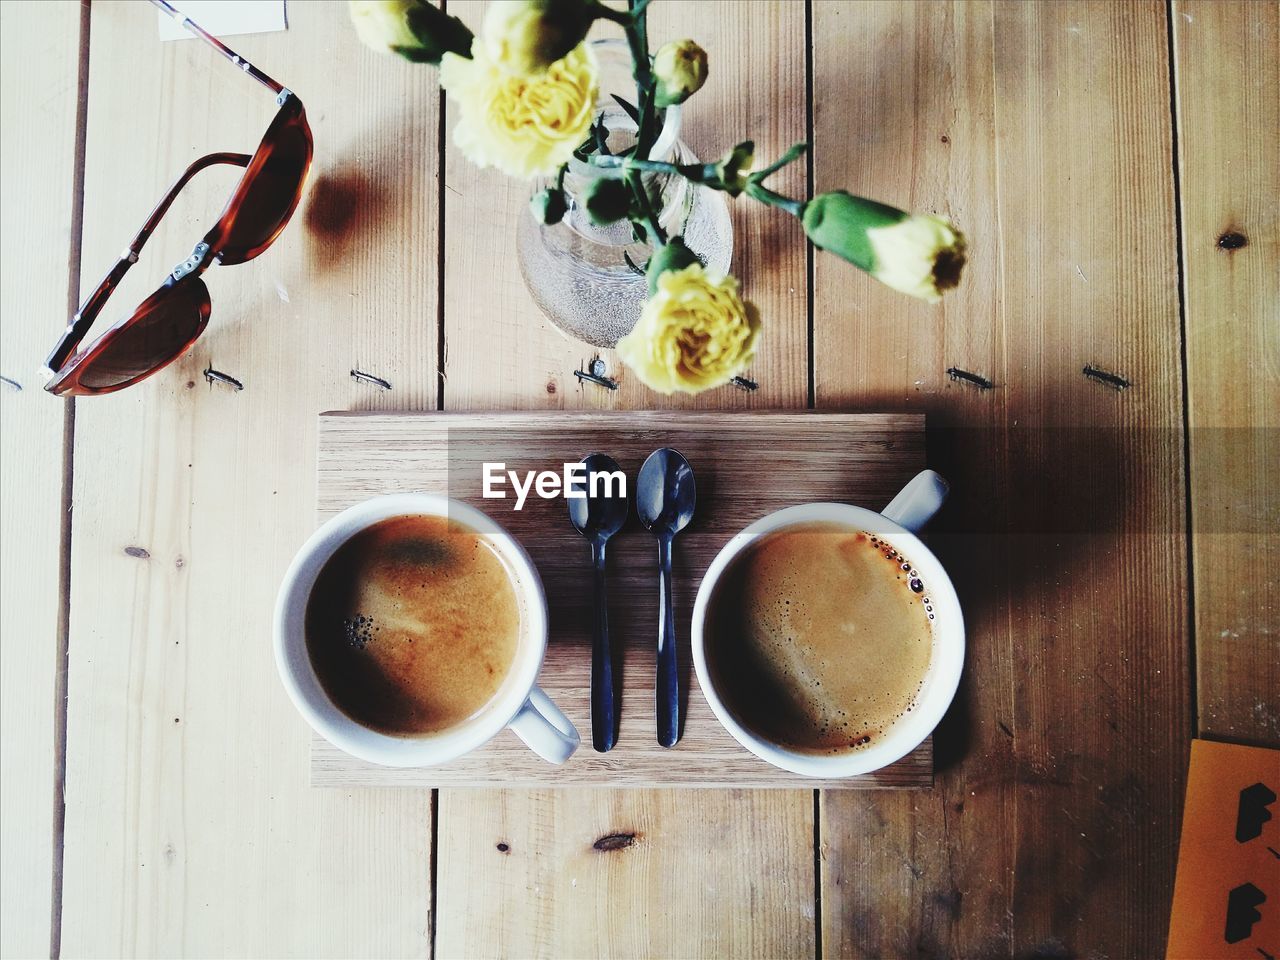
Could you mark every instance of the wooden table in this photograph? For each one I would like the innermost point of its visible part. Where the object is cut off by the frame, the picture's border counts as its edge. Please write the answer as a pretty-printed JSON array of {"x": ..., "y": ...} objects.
[{"x": 1114, "y": 166}]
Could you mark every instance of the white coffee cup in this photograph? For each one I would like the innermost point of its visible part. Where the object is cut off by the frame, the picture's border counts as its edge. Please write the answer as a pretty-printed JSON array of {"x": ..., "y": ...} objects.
[
  {"x": 919, "y": 500},
  {"x": 519, "y": 703}
]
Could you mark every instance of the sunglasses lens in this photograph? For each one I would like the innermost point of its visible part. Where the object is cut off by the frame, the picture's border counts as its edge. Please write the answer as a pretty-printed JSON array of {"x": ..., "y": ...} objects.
[
  {"x": 163, "y": 327},
  {"x": 270, "y": 195}
]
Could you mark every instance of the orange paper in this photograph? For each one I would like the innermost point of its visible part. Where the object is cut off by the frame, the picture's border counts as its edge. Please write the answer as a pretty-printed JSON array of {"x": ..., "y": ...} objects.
[{"x": 1226, "y": 899}]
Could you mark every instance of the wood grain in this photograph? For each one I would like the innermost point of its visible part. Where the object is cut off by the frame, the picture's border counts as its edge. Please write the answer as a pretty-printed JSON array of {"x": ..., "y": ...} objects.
[
  {"x": 40, "y": 53},
  {"x": 1228, "y": 99},
  {"x": 191, "y": 827},
  {"x": 1044, "y": 131},
  {"x": 859, "y": 458},
  {"x": 499, "y": 353},
  {"x": 594, "y": 873}
]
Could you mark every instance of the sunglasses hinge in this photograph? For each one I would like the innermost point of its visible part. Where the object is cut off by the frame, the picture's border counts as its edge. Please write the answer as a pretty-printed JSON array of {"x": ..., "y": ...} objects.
[{"x": 192, "y": 262}]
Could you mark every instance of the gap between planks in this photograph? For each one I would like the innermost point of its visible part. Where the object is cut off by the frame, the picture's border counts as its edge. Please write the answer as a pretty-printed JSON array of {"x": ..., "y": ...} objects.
[
  {"x": 65, "y": 499},
  {"x": 1179, "y": 240}
]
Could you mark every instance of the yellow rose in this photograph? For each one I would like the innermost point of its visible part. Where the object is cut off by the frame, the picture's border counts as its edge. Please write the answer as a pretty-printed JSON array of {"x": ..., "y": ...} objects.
[
  {"x": 525, "y": 126},
  {"x": 694, "y": 333},
  {"x": 525, "y": 37}
]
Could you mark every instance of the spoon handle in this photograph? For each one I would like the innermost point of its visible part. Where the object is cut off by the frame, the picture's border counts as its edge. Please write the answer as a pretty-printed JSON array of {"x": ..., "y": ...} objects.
[
  {"x": 668, "y": 687},
  {"x": 603, "y": 719}
]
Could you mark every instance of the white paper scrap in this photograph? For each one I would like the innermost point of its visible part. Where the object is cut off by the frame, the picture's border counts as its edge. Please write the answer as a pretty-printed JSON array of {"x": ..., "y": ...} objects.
[{"x": 223, "y": 18}]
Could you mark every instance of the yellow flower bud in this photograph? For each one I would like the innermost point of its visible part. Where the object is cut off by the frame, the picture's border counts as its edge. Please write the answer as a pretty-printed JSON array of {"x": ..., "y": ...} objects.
[
  {"x": 922, "y": 256},
  {"x": 919, "y": 255},
  {"x": 607, "y": 201},
  {"x": 525, "y": 37},
  {"x": 415, "y": 29},
  {"x": 680, "y": 68},
  {"x": 694, "y": 333},
  {"x": 549, "y": 205},
  {"x": 527, "y": 127}
]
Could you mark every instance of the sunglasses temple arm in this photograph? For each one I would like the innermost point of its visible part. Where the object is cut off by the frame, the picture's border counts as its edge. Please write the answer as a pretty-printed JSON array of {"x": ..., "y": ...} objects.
[
  {"x": 92, "y": 306},
  {"x": 218, "y": 45},
  {"x": 161, "y": 208}
]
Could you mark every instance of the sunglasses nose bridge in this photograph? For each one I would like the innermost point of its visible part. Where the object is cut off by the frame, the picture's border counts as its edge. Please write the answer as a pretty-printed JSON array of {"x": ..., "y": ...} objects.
[{"x": 193, "y": 263}]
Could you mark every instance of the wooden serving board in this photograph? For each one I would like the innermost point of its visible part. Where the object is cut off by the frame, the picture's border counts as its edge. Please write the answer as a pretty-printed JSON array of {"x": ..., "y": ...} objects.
[{"x": 746, "y": 465}]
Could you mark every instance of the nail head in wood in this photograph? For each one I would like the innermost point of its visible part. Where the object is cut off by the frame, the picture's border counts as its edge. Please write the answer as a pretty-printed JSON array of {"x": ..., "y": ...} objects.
[
  {"x": 964, "y": 376},
  {"x": 1113, "y": 380},
  {"x": 217, "y": 376}
]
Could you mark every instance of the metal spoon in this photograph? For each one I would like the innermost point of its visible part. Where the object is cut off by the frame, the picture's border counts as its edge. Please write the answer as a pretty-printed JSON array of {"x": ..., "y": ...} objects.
[
  {"x": 665, "y": 496},
  {"x": 598, "y": 516}
]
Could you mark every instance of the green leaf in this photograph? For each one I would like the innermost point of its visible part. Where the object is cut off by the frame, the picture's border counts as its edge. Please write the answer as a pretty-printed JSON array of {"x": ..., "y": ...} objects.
[
  {"x": 792, "y": 155},
  {"x": 632, "y": 264},
  {"x": 630, "y": 109}
]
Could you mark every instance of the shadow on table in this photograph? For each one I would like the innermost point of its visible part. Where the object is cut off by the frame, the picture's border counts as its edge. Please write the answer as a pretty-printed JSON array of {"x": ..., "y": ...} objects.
[{"x": 1032, "y": 515}]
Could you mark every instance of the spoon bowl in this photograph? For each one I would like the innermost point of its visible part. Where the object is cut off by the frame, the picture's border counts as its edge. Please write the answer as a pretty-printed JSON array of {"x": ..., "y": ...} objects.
[
  {"x": 596, "y": 516},
  {"x": 665, "y": 492}
]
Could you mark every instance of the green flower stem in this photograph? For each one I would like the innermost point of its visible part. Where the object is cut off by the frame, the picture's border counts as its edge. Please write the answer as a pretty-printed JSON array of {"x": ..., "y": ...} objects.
[
  {"x": 653, "y": 166},
  {"x": 622, "y": 17},
  {"x": 795, "y": 153},
  {"x": 755, "y": 190},
  {"x": 637, "y": 31},
  {"x": 657, "y": 235},
  {"x": 771, "y": 199},
  {"x": 628, "y": 164}
]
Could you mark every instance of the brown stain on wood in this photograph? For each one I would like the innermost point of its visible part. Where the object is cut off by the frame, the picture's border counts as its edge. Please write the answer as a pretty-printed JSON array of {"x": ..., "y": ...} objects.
[
  {"x": 614, "y": 841},
  {"x": 1232, "y": 240}
]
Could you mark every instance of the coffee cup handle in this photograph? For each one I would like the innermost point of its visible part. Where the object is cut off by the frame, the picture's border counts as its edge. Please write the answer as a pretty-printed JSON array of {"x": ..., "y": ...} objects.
[
  {"x": 918, "y": 501},
  {"x": 545, "y": 729}
]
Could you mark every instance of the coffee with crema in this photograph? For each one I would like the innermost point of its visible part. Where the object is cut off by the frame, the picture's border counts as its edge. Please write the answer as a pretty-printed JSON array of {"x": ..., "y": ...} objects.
[
  {"x": 819, "y": 638},
  {"x": 413, "y": 624}
]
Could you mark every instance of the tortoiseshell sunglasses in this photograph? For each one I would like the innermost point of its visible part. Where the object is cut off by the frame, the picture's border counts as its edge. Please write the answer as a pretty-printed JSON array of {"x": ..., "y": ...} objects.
[{"x": 169, "y": 321}]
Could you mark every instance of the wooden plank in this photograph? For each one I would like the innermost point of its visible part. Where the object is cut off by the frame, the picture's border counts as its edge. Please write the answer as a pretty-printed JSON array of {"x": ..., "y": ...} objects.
[
  {"x": 716, "y": 861},
  {"x": 1227, "y": 57},
  {"x": 41, "y": 63},
  {"x": 1044, "y": 131},
  {"x": 191, "y": 828},
  {"x": 602, "y": 873},
  {"x": 862, "y": 458}
]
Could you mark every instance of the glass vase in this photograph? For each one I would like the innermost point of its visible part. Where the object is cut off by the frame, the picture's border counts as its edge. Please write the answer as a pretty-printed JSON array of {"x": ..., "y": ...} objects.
[{"x": 578, "y": 272}]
